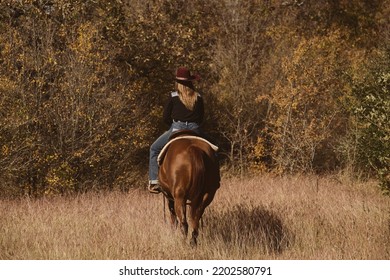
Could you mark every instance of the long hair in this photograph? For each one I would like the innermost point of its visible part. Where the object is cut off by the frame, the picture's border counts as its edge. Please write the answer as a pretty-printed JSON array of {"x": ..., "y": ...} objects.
[{"x": 187, "y": 94}]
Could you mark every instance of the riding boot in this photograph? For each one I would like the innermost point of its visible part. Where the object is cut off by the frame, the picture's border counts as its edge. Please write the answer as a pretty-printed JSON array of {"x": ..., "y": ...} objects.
[{"x": 154, "y": 188}]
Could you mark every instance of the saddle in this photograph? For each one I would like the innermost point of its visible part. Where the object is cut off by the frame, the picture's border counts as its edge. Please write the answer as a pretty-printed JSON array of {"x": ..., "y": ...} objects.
[{"x": 182, "y": 134}]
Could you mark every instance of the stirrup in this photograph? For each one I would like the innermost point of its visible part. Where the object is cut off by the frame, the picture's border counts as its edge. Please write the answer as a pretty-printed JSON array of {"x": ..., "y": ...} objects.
[{"x": 154, "y": 188}]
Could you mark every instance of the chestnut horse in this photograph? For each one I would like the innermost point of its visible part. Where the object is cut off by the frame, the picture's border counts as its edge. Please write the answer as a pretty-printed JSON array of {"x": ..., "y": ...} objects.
[{"x": 189, "y": 174}]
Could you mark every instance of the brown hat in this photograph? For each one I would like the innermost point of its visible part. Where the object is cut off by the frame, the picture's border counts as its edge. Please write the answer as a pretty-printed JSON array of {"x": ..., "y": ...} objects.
[{"x": 184, "y": 75}]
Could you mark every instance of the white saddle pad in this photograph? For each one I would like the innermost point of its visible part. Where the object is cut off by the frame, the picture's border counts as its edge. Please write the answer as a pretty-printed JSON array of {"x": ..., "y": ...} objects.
[{"x": 164, "y": 150}]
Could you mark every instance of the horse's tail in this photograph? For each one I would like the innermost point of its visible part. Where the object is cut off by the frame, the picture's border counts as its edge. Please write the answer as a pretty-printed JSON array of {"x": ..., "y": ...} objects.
[{"x": 198, "y": 168}]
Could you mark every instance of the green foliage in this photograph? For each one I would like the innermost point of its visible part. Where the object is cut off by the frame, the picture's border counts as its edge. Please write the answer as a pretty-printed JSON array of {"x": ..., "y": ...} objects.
[{"x": 372, "y": 108}]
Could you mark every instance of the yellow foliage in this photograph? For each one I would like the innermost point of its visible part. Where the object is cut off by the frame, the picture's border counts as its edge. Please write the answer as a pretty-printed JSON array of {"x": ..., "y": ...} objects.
[
  {"x": 257, "y": 165},
  {"x": 60, "y": 179},
  {"x": 4, "y": 150},
  {"x": 6, "y": 85},
  {"x": 84, "y": 43}
]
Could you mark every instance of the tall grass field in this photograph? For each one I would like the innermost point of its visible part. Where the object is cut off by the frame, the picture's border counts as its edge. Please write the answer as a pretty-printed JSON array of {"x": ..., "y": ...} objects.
[{"x": 265, "y": 217}]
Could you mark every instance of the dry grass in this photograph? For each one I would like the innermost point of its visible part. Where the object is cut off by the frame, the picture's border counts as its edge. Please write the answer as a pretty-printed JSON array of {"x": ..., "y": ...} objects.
[{"x": 260, "y": 218}]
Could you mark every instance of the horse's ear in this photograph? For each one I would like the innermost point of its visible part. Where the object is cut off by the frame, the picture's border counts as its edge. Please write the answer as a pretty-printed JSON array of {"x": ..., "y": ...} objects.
[{"x": 183, "y": 132}]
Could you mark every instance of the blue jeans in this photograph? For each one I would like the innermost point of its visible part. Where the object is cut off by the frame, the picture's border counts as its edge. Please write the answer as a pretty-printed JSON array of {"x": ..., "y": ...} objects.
[{"x": 159, "y": 144}]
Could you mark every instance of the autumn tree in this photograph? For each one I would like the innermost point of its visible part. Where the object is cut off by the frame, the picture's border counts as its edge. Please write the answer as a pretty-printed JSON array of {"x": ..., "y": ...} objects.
[
  {"x": 237, "y": 60},
  {"x": 82, "y": 85},
  {"x": 290, "y": 86},
  {"x": 315, "y": 45},
  {"x": 69, "y": 93}
]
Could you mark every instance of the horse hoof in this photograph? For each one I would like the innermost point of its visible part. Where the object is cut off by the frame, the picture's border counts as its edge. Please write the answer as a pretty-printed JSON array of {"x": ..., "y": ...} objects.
[{"x": 193, "y": 243}]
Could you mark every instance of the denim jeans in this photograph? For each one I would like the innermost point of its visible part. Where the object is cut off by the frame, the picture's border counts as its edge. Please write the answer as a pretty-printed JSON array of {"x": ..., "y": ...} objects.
[{"x": 159, "y": 144}]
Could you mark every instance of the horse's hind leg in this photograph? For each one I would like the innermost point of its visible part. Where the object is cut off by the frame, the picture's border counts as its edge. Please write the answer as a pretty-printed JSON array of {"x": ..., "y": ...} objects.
[
  {"x": 171, "y": 206},
  {"x": 196, "y": 215},
  {"x": 197, "y": 211},
  {"x": 180, "y": 209}
]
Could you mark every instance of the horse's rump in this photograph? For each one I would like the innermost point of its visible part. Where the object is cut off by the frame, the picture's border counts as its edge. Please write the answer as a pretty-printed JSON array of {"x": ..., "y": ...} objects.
[{"x": 189, "y": 172}]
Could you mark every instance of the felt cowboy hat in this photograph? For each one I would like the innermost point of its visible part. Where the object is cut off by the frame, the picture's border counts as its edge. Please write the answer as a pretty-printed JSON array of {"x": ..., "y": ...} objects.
[{"x": 184, "y": 75}]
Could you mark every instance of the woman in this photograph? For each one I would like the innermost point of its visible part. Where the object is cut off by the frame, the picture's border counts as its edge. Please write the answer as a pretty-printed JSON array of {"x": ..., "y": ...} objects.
[{"x": 184, "y": 110}]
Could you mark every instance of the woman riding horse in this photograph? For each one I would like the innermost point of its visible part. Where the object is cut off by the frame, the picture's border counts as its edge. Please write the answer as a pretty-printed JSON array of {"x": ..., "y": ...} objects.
[{"x": 183, "y": 111}]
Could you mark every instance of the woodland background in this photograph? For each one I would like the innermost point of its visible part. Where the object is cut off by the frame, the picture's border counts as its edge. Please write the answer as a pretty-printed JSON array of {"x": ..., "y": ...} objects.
[{"x": 290, "y": 86}]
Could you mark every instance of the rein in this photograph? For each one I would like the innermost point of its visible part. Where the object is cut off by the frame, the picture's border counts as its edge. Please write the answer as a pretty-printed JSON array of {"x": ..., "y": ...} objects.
[{"x": 165, "y": 215}]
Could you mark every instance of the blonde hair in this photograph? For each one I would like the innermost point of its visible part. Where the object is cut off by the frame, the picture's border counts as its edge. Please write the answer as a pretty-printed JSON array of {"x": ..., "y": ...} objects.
[{"x": 187, "y": 95}]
